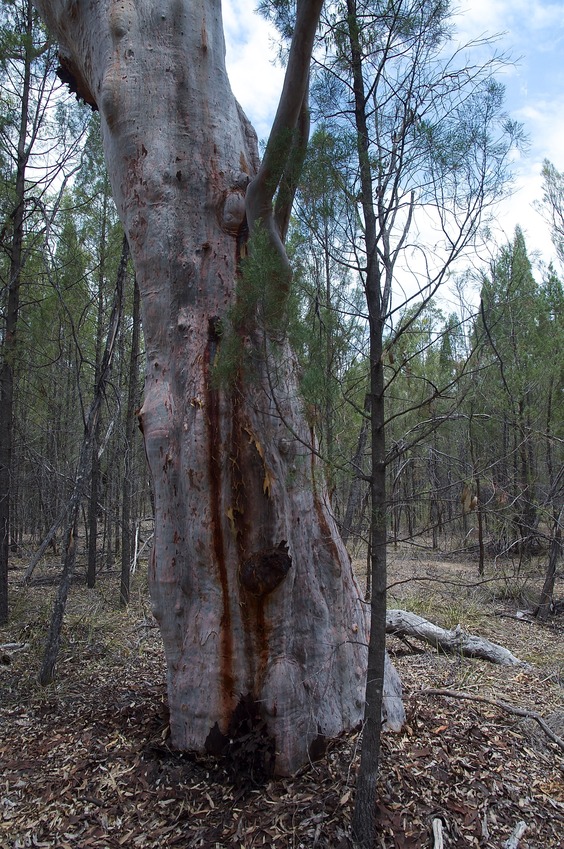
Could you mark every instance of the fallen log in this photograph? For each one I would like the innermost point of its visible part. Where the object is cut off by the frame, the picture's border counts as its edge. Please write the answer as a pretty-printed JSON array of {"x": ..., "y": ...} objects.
[
  {"x": 7, "y": 650},
  {"x": 403, "y": 624}
]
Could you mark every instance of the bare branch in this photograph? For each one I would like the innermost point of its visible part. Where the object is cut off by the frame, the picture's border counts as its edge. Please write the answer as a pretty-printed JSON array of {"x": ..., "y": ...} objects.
[{"x": 513, "y": 709}]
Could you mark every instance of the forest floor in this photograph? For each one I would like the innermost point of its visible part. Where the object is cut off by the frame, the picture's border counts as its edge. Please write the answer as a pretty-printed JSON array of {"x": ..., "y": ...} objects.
[{"x": 86, "y": 763}]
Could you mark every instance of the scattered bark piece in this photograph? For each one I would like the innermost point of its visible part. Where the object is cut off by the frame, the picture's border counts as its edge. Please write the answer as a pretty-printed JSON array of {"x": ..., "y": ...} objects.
[
  {"x": 89, "y": 764},
  {"x": 512, "y": 841},
  {"x": 438, "y": 833}
]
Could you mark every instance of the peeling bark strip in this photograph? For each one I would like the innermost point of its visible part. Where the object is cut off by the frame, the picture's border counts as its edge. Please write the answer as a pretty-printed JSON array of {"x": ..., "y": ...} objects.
[{"x": 237, "y": 620}]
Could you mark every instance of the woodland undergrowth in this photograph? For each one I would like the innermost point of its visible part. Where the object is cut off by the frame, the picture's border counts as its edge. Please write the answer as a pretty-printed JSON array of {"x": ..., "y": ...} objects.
[{"x": 86, "y": 761}]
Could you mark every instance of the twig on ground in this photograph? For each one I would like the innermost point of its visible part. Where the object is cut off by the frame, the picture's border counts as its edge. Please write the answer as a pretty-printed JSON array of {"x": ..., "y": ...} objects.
[{"x": 517, "y": 711}]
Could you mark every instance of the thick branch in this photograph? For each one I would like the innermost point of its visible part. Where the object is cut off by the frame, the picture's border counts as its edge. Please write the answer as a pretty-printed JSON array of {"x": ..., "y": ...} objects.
[
  {"x": 262, "y": 189},
  {"x": 282, "y": 141},
  {"x": 292, "y": 172}
]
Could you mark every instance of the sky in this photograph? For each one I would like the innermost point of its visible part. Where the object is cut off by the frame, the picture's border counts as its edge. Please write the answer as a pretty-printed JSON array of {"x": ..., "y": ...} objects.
[{"x": 531, "y": 32}]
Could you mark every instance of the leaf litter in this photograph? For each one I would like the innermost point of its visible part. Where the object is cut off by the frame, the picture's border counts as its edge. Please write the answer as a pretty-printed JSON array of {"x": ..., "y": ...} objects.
[{"x": 87, "y": 762}]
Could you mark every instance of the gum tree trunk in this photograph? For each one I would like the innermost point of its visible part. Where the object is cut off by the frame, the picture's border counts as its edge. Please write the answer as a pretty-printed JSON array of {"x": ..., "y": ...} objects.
[{"x": 261, "y": 617}]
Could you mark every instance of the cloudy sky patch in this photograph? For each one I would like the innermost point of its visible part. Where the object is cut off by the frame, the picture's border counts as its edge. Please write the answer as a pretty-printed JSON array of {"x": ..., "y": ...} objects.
[
  {"x": 256, "y": 78},
  {"x": 531, "y": 32}
]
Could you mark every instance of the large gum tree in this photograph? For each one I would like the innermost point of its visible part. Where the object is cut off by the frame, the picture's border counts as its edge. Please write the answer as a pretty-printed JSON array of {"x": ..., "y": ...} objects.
[{"x": 260, "y": 614}]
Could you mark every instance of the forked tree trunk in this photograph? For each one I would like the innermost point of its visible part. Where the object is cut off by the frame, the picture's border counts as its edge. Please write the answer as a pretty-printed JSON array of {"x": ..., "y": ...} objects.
[{"x": 250, "y": 582}]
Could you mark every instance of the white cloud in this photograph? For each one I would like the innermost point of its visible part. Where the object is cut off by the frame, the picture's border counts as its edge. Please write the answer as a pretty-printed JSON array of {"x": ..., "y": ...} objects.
[
  {"x": 531, "y": 31},
  {"x": 509, "y": 16},
  {"x": 255, "y": 78}
]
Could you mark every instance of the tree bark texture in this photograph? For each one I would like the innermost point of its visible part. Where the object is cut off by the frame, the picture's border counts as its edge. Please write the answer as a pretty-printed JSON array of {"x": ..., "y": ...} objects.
[{"x": 250, "y": 582}]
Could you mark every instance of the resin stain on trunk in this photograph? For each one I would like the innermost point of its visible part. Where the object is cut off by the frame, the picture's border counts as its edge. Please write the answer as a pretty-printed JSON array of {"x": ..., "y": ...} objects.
[{"x": 215, "y": 478}]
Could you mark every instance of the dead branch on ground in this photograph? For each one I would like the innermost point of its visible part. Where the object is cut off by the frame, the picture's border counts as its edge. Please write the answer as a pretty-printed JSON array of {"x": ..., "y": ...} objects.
[{"x": 513, "y": 709}]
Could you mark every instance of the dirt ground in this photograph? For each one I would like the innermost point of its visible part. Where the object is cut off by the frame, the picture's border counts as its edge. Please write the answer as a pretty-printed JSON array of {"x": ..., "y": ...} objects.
[{"x": 86, "y": 762}]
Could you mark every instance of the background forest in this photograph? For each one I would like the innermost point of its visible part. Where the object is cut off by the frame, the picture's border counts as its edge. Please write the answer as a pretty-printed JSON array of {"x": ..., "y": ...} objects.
[
  {"x": 473, "y": 396},
  {"x": 431, "y": 375}
]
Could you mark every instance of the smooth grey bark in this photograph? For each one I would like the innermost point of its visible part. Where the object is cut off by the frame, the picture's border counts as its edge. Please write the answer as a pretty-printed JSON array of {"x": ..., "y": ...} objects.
[{"x": 250, "y": 582}]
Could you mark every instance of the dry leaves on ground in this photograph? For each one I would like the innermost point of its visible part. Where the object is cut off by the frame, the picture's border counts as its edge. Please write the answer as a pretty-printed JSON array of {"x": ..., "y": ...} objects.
[{"x": 86, "y": 763}]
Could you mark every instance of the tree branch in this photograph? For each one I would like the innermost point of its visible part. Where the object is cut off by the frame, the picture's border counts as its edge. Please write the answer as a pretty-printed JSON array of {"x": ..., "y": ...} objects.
[
  {"x": 292, "y": 171},
  {"x": 516, "y": 711},
  {"x": 284, "y": 138}
]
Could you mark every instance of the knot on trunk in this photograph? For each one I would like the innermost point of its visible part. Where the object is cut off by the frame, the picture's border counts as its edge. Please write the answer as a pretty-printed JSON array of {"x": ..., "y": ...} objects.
[
  {"x": 261, "y": 573},
  {"x": 233, "y": 213}
]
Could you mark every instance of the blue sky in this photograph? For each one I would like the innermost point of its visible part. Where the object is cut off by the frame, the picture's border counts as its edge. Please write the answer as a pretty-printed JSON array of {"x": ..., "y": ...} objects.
[{"x": 530, "y": 31}]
